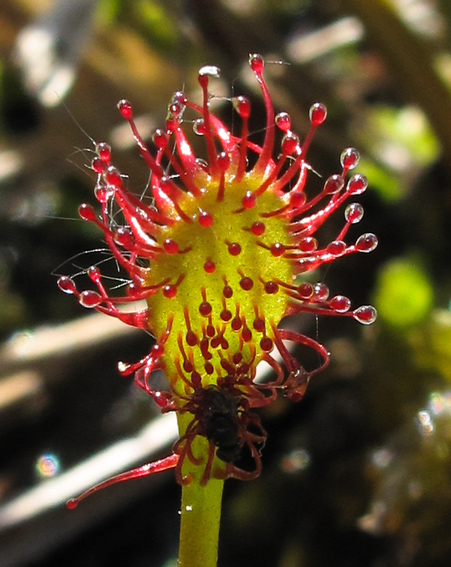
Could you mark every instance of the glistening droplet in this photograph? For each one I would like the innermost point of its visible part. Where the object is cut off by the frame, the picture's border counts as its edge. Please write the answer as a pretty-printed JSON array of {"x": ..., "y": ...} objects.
[{"x": 366, "y": 314}]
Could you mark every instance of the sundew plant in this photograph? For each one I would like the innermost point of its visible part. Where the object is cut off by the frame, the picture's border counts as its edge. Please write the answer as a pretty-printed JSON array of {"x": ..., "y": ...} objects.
[{"x": 220, "y": 257}]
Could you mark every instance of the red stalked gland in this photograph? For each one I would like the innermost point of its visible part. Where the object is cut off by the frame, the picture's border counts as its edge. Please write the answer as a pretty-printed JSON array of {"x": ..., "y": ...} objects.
[
  {"x": 257, "y": 63},
  {"x": 205, "y": 219},
  {"x": 87, "y": 213},
  {"x": 170, "y": 246},
  {"x": 227, "y": 292},
  {"x": 283, "y": 121},
  {"x": 318, "y": 113},
  {"x": 271, "y": 288},
  {"x": 170, "y": 291},
  {"x": 125, "y": 108},
  {"x": 277, "y": 249},
  {"x": 242, "y": 105},
  {"x": 234, "y": 248},
  {"x": 103, "y": 150},
  {"x": 266, "y": 344},
  {"x": 246, "y": 283},
  {"x": 249, "y": 200},
  {"x": 258, "y": 228},
  {"x": 209, "y": 267},
  {"x": 67, "y": 285},
  {"x": 205, "y": 309}
]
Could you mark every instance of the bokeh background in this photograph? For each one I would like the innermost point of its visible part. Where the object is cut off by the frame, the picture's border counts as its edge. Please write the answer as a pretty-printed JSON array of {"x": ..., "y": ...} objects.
[{"x": 358, "y": 473}]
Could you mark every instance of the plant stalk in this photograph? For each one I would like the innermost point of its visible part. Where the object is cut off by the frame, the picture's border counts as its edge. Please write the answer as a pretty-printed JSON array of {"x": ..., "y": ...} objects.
[{"x": 201, "y": 510}]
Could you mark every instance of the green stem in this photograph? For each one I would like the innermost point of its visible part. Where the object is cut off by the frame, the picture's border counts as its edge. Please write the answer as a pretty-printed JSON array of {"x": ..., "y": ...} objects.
[
  {"x": 201, "y": 508},
  {"x": 199, "y": 529}
]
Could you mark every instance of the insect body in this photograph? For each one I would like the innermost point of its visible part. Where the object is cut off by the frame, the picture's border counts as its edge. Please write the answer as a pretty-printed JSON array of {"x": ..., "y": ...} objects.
[
  {"x": 222, "y": 415},
  {"x": 220, "y": 423}
]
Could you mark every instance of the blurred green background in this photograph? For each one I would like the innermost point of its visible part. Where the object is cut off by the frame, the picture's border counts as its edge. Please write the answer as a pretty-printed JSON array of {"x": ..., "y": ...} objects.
[{"x": 358, "y": 473}]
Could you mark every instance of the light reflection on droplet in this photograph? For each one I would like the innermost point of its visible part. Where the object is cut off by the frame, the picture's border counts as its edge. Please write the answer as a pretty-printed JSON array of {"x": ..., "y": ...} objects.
[
  {"x": 439, "y": 403},
  {"x": 297, "y": 460},
  {"x": 425, "y": 423},
  {"x": 382, "y": 458},
  {"x": 11, "y": 164},
  {"x": 415, "y": 490},
  {"x": 20, "y": 342},
  {"x": 373, "y": 522},
  {"x": 47, "y": 465}
]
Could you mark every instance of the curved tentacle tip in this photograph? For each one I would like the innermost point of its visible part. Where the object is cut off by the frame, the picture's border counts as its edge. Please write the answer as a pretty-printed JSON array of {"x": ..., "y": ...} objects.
[{"x": 161, "y": 465}]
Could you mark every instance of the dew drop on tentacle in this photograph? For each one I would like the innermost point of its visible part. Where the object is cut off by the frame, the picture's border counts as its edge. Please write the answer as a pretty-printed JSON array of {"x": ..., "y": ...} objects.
[
  {"x": 203, "y": 164},
  {"x": 209, "y": 267},
  {"x": 277, "y": 249},
  {"x": 242, "y": 105},
  {"x": 354, "y": 213},
  {"x": 290, "y": 143},
  {"x": 249, "y": 200},
  {"x": 170, "y": 291},
  {"x": 297, "y": 200},
  {"x": 320, "y": 292},
  {"x": 271, "y": 288},
  {"x": 234, "y": 249},
  {"x": 176, "y": 109},
  {"x": 90, "y": 299},
  {"x": 103, "y": 150},
  {"x": 340, "y": 303},
  {"x": 170, "y": 246},
  {"x": 283, "y": 121},
  {"x": 113, "y": 177},
  {"x": 336, "y": 248},
  {"x": 205, "y": 309},
  {"x": 199, "y": 127},
  {"x": 125, "y": 108},
  {"x": 123, "y": 236},
  {"x": 103, "y": 193},
  {"x": 236, "y": 323},
  {"x": 98, "y": 165},
  {"x": 366, "y": 242},
  {"x": 259, "y": 325},
  {"x": 334, "y": 184},
  {"x": 317, "y": 114},
  {"x": 225, "y": 315},
  {"x": 209, "y": 71},
  {"x": 223, "y": 161},
  {"x": 191, "y": 338},
  {"x": 305, "y": 291},
  {"x": 246, "y": 283},
  {"x": 258, "y": 228},
  {"x": 357, "y": 184},
  {"x": 205, "y": 219},
  {"x": 266, "y": 344},
  {"x": 94, "y": 274},
  {"x": 308, "y": 244},
  {"x": 160, "y": 138},
  {"x": 257, "y": 63},
  {"x": 227, "y": 292},
  {"x": 87, "y": 213},
  {"x": 349, "y": 159},
  {"x": 67, "y": 285},
  {"x": 366, "y": 314},
  {"x": 180, "y": 97}
]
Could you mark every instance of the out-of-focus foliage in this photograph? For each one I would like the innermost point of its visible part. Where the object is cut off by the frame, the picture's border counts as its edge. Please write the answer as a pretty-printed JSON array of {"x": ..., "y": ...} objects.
[{"x": 404, "y": 294}]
